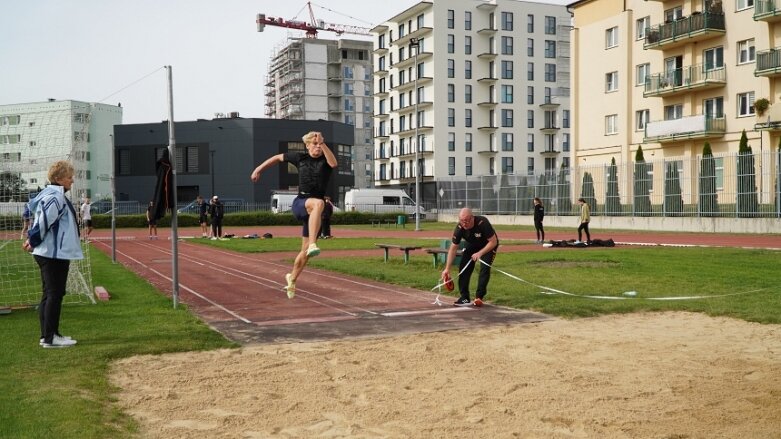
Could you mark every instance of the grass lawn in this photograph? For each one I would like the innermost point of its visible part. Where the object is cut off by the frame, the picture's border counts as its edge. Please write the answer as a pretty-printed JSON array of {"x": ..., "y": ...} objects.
[{"x": 70, "y": 387}]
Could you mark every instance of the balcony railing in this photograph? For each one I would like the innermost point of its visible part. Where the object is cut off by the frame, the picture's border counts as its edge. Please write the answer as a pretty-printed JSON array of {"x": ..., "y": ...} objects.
[
  {"x": 690, "y": 127},
  {"x": 697, "y": 27},
  {"x": 770, "y": 120},
  {"x": 681, "y": 80},
  {"x": 767, "y": 10},
  {"x": 768, "y": 62}
]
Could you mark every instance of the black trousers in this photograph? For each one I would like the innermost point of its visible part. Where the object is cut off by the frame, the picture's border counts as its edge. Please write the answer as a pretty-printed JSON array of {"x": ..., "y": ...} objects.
[
  {"x": 217, "y": 227},
  {"x": 54, "y": 277},
  {"x": 584, "y": 227},
  {"x": 539, "y": 229},
  {"x": 325, "y": 227},
  {"x": 466, "y": 276}
]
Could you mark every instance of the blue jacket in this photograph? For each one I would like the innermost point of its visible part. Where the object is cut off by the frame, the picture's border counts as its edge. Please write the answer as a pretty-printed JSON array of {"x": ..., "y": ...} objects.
[{"x": 54, "y": 232}]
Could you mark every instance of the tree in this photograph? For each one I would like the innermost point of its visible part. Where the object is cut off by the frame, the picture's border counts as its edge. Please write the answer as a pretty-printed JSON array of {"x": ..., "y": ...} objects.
[
  {"x": 564, "y": 203},
  {"x": 708, "y": 205},
  {"x": 612, "y": 199},
  {"x": 587, "y": 191},
  {"x": 11, "y": 187},
  {"x": 747, "y": 203},
  {"x": 673, "y": 201},
  {"x": 642, "y": 201}
]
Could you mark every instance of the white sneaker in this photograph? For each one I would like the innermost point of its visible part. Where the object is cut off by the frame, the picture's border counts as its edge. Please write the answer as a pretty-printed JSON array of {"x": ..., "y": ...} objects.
[
  {"x": 312, "y": 251},
  {"x": 213, "y": 238},
  {"x": 40, "y": 342},
  {"x": 59, "y": 342},
  {"x": 578, "y": 242},
  {"x": 290, "y": 288}
]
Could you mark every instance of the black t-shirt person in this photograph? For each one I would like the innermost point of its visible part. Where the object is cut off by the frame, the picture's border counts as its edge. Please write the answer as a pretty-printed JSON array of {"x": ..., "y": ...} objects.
[
  {"x": 476, "y": 237},
  {"x": 313, "y": 173}
]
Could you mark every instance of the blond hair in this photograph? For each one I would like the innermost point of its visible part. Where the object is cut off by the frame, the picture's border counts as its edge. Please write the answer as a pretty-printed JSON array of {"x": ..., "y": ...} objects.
[
  {"x": 310, "y": 137},
  {"x": 60, "y": 170}
]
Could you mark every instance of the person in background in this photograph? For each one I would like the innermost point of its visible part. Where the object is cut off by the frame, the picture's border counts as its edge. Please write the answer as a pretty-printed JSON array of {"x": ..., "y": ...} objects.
[
  {"x": 53, "y": 239},
  {"x": 217, "y": 211},
  {"x": 314, "y": 170},
  {"x": 539, "y": 214},
  {"x": 202, "y": 209},
  {"x": 482, "y": 244},
  {"x": 151, "y": 221},
  {"x": 585, "y": 217},
  {"x": 328, "y": 211},
  {"x": 85, "y": 212}
]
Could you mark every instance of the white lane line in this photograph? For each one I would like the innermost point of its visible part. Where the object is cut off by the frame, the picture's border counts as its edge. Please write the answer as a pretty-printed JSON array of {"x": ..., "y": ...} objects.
[{"x": 428, "y": 311}]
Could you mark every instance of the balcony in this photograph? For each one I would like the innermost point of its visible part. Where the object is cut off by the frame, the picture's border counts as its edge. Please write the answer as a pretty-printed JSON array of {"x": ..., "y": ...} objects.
[
  {"x": 417, "y": 33},
  {"x": 550, "y": 103},
  {"x": 697, "y": 27},
  {"x": 682, "y": 80},
  {"x": 768, "y": 63},
  {"x": 488, "y": 104},
  {"x": 488, "y": 80},
  {"x": 410, "y": 108},
  {"x": 411, "y": 131},
  {"x": 685, "y": 128},
  {"x": 487, "y": 31},
  {"x": 767, "y": 10},
  {"x": 770, "y": 120},
  {"x": 489, "y": 128},
  {"x": 550, "y": 152},
  {"x": 487, "y": 5},
  {"x": 410, "y": 60},
  {"x": 488, "y": 55},
  {"x": 549, "y": 128},
  {"x": 487, "y": 150},
  {"x": 410, "y": 84}
]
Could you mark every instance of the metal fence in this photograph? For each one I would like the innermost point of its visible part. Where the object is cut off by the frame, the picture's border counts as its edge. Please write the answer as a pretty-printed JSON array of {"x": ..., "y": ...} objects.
[{"x": 728, "y": 185}]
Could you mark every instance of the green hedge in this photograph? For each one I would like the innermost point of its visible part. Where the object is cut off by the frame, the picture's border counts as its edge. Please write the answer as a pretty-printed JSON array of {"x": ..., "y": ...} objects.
[{"x": 239, "y": 219}]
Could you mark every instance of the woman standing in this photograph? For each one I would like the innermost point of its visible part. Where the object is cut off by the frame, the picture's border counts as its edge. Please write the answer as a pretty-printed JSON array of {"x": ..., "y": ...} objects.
[
  {"x": 539, "y": 214},
  {"x": 53, "y": 239}
]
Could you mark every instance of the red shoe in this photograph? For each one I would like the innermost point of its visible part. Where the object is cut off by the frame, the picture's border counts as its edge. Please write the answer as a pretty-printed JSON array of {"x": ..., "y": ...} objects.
[{"x": 478, "y": 302}]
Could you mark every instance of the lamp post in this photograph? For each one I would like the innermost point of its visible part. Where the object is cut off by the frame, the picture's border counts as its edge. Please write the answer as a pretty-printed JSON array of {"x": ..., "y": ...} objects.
[
  {"x": 413, "y": 42},
  {"x": 211, "y": 163}
]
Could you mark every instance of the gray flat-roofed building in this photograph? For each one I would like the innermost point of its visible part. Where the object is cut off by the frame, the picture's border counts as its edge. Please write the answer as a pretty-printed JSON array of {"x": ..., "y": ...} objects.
[{"x": 216, "y": 157}]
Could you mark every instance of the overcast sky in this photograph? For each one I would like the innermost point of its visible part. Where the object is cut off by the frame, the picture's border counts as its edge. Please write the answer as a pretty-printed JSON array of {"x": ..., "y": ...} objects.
[{"x": 113, "y": 51}]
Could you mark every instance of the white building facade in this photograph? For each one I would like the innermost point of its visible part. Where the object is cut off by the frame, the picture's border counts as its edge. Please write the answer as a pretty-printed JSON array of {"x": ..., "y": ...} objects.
[
  {"x": 311, "y": 79},
  {"x": 487, "y": 93},
  {"x": 34, "y": 135}
]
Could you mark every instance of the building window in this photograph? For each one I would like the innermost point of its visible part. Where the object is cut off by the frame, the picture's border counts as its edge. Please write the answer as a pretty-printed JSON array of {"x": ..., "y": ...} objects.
[
  {"x": 451, "y": 68},
  {"x": 530, "y": 23},
  {"x": 420, "y": 21},
  {"x": 746, "y": 53},
  {"x": 451, "y": 93},
  {"x": 124, "y": 161},
  {"x": 643, "y": 71},
  {"x": 530, "y": 142},
  {"x": 507, "y": 70},
  {"x": 507, "y": 118},
  {"x": 744, "y": 4},
  {"x": 672, "y": 112},
  {"x": 451, "y": 141},
  {"x": 530, "y": 166},
  {"x": 714, "y": 58},
  {"x": 507, "y": 165},
  {"x": 640, "y": 26},
  {"x": 451, "y": 117},
  {"x": 507, "y": 45},
  {"x": 550, "y": 72},
  {"x": 467, "y": 45},
  {"x": 451, "y": 19},
  {"x": 550, "y": 49},
  {"x": 611, "y": 82},
  {"x": 401, "y": 32},
  {"x": 746, "y": 104},
  {"x": 468, "y": 142},
  {"x": 467, "y": 94},
  {"x": 673, "y": 14},
  {"x": 468, "y": 69},
  {"x": 641, "y": 119},
  {"x": 550, "y": 25},
  {"x": 611, "y": 124},
  {"x": 530, "y": 95},
  {"x": 507, "y": 21},
  {"x": 530, "y": 71},
  {"x": 491, "y": 166},
  {"x": 565, "y": 119},
  {"x": 451, "y": 166},
  {"x": 507, "y": 94},
  {"x": 467, "y": 117},
  {"x": 451, "y": 43},
  {"x": 611, "y": 37},
  {"x": 565, "y": 142},
  {"x": 507, "y": 141},
  {"x": 381, "y": 41},
  {"x": 714, "y": 108},
  {"x": 529, "y": 118},
  {"x": 468, "y": 165},
  {"x": 530, "y": 47},
  {"x": 467, "y": 20}
]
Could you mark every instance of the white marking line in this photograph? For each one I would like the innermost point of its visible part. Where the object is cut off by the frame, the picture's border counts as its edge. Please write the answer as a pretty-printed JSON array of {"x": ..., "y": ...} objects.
[
  {"x": 250, "y": 277},
  {"x": 428, "y": 311},
  {"x": 190, "y": 290},
  {"x": 364, "y": 285}
]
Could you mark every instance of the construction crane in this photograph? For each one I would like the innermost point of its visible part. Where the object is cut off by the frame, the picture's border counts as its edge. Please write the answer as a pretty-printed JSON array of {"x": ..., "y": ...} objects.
[{"x": 312, "y": 27}]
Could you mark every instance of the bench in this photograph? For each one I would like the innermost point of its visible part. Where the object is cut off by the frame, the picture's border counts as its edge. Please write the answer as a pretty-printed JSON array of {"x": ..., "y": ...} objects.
[
  {"x": 435, "y": 252},
  {"x": 405, "y": 248},
  {"x": 377, "y": 222}
]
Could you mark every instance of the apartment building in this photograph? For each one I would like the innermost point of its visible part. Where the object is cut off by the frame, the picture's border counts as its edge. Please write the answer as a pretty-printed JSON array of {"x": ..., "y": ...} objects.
[
  {"x": 313, "y": 79},
  {"x": 672, "y": 75},
  {"x": 487, "y": 93},
  {"x": 34, "y": 135}
]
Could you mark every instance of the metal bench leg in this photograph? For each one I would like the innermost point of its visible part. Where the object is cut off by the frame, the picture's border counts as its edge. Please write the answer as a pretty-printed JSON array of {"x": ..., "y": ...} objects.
[
  {"x": 386, "y": 254},
  {"x": 435, "y": 259},
  {"x": 406, "y": 256}
]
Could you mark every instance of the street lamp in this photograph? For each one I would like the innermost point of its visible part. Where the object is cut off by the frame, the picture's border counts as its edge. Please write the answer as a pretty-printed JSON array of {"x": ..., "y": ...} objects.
[
  {"x": 211, "y": 163},
  {"x": 414, "y": 42}
]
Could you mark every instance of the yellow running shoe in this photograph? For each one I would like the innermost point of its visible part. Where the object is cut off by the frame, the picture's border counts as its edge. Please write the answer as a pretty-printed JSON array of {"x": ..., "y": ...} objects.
[{"x": 291, "y": 286}]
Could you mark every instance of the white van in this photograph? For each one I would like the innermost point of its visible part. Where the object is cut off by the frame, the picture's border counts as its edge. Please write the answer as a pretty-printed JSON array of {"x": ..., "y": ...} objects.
[
  {"x": 380, "y": 201},
  {"x": 282, "y": 201}
]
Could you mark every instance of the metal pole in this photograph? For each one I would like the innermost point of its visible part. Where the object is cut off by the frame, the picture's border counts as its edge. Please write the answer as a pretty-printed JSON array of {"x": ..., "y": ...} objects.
[
  {"x": 413, "y": 42},
  {"x": 113, "y": 203},
  {"x": 211, "y": 163},
  {"x": 172, "y": 154}
]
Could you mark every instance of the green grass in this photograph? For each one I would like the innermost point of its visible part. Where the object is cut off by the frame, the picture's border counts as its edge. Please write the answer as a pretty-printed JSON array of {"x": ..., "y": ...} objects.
[{"x": 64, "y": 393}]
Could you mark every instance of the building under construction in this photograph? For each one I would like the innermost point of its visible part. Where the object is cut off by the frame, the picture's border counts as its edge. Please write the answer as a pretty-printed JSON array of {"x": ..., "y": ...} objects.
[{"x": 315, "y": 79}]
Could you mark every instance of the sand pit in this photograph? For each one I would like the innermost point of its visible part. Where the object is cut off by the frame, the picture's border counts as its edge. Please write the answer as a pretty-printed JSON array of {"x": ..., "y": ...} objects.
[{"x": 670, "y": 375}]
